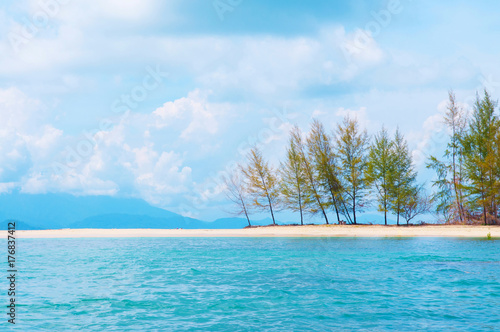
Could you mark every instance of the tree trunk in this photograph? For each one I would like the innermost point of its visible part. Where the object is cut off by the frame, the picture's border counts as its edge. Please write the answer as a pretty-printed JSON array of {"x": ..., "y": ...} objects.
[
  {"x": 347, "y": 211},
  {"x": 271, "y": 208},
  {"x": 300, "y": 208},
  {"x": 354, "y": 208},
  {"x": 245, "y": 210},
  {"x": 324, "y": 214},
  {"x": 300, "y": 199},
  {"x": 455, "y": 184},
  {"x": 336, "y": 209},
  {"x": 248, "y": 219},
  {"x": 484, "y": 214},
  {"x": 385, "y": 213},
  {"x": 399, "y": 209}
]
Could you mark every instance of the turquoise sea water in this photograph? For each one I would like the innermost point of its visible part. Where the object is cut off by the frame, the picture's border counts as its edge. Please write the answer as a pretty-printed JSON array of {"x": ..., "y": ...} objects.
[{"x": 250, "y": 284}]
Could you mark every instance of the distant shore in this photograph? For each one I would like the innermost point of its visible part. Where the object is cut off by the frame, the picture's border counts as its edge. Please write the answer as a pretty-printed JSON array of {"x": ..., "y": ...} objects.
[{"x": 277, "y": 231}]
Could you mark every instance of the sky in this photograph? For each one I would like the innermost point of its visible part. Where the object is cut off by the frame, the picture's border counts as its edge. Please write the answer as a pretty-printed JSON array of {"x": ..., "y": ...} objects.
[{"x": 157, "y": 99}]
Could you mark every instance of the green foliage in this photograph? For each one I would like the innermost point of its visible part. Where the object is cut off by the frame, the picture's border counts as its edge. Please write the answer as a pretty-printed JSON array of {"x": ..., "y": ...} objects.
[
  {"x": 293, "y": 176},
  {"x": 262, "y": 184},
  {"x": 380, "y": 162},
  {"x": 402, "y": 176},
  {"x": 322, "y": 155},
  {"x": 468, "y": 183},
  {"x": 443, "y": 196},
  {"x": 481, "y": 157},
  {"x": 352, "y": 147},
  {"x": 456, "y": 122},
  {"x": 344, "y": 172}
]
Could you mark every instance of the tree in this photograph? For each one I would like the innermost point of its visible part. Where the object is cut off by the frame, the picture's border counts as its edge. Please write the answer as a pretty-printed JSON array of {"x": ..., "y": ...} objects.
[
  {"x": 402, "y": 175},
  {"x": 443, "y": 196},
  {"x": 352, "y": 145},
  {"x": 497, "y": 172},
  {"x": 418, "y": 203},
  {"x": 321, "y": 152},
  {"x": 456, "y": 121},
  {"x": 313, "y": 198},
  {"x": 262, "y": 183},
  {"x": 380, "y": 161},
  {"x": 235, "y": 190},
  {"x": 451, "y": 180},
  {"x": 293, "y": 177},
  {"x": 480, "y": 156}
]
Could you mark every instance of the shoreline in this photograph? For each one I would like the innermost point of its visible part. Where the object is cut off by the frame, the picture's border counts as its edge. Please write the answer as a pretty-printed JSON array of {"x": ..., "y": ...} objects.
[{"x": 460, "y": 231}]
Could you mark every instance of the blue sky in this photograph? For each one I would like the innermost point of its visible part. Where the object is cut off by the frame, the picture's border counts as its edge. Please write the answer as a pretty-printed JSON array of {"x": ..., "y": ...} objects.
[{"x": 154, "y": 99}]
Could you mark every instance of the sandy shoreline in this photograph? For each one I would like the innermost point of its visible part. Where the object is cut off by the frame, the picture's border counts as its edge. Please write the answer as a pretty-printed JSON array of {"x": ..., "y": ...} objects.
[{"x": 277, "y": 231}]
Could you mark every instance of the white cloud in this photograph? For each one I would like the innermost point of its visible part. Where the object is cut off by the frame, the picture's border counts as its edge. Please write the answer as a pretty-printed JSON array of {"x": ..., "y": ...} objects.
[
  {"x": 121, "y": 159},
  {"x": 25, "y": 140},
  {"x": 360, "y": 48},
  {"x": 193, "y": 110},
  {"x": 6, "y": 187},
  {"x": 431, "y": 138},
  {"x": 257, "y": 65},
  {"x": 360, "y": 115}
]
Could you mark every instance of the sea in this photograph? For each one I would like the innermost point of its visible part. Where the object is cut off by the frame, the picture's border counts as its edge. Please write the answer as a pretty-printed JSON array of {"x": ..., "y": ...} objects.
[{"x": 255, "y": 284}]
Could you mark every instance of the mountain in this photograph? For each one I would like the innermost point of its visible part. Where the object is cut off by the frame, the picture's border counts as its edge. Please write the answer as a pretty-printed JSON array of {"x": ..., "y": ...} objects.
[
  {"x": 19, "y": 225},
  {"x": 122, "y": 221},
  {"x": 55, "y": 211},
  {"x": 62, "y": 210}
]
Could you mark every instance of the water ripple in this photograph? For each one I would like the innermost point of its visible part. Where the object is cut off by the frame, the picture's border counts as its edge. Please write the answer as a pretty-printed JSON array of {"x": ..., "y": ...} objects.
[{"x": 249, "y": 284}]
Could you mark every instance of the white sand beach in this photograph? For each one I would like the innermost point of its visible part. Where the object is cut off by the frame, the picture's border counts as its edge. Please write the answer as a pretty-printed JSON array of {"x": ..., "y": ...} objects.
[{"x": 276, "y": 231}]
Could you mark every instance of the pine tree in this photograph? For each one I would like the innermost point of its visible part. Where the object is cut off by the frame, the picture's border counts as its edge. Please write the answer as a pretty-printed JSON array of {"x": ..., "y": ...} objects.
[
  {"x": 313, "y": 197},
  {"x": 293, "y": 178},
  {"x": 451, "y": 180},
  {"x": 497, "y": 177},
  {"x": 352, "y": 146},
  {"x": 456, "y": 122},
  {"x": 402, "y": 176},
  {"x": 480, "y": 155},
  {"x": 262, "y": 183},
  {"x": 322, "y": 154},
  {"x": 380, "y": 161},
  {"x": 235, "y": 190},
  {"x": 443, "y": 197}
]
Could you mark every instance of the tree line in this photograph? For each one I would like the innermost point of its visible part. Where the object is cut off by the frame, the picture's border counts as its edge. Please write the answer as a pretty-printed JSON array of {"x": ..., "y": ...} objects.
[
  {"x": 346, "y": 171},
  {"x": 468, "y": 174}
]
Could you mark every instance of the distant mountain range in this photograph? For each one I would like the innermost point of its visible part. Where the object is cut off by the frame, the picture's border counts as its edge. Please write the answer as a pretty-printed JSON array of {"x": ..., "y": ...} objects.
[{"x": 56, "y": 211}]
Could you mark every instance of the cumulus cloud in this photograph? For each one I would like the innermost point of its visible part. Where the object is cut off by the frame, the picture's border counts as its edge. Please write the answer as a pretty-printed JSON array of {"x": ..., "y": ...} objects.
[
  {"x": 25, "y": 139},
  {"x": 131, "y": 158},
  {"x": 431, "y": 138},
  {"x": 360, "y": 49},
  {"x": 253, "y": 65},
  {"x": 193, "y": 110}
]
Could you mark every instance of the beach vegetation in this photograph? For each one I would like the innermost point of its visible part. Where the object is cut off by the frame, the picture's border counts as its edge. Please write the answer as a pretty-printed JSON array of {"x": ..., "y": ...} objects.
[
  {"x": 261, "y": 183},
  {"x": 345, "y": 171}
]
